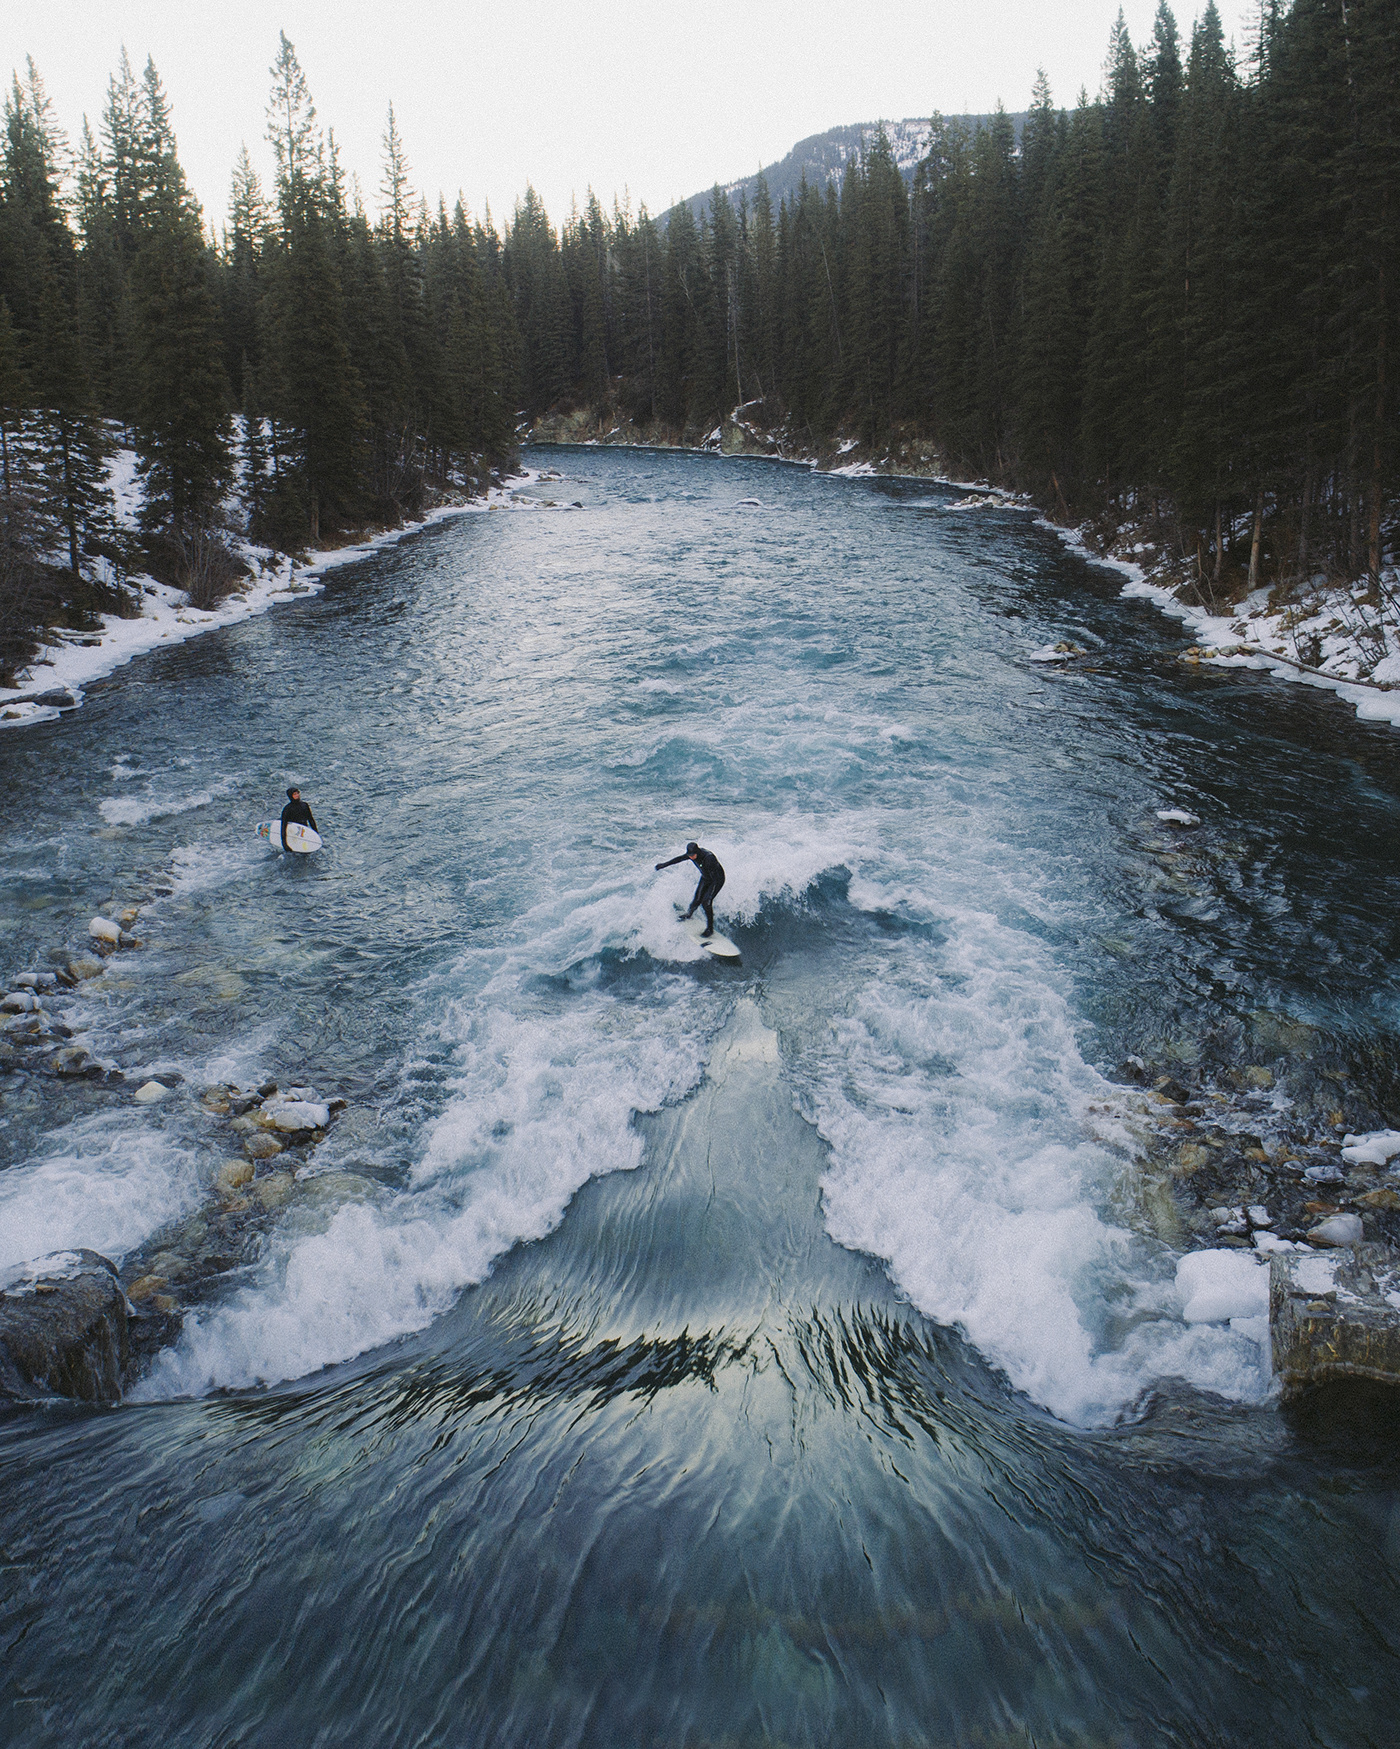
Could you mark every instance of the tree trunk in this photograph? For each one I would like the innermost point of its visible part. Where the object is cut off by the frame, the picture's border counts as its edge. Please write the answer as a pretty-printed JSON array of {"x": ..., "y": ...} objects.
[
  {"x": 69, "y": 508},
  {"x": 1219, "y": 546},
  {"x": 9, "y": 500},
  {"x": 1303, "y": 527},
  {"x": 1255, "y": 540},
  {"x": 1373, "y": 556}
]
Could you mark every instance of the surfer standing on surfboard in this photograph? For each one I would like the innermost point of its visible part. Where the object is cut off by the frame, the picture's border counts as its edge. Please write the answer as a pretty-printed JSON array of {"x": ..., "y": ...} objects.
[
  {"x": 296, "y": 813},
  {"x": 711, "y": 880}
]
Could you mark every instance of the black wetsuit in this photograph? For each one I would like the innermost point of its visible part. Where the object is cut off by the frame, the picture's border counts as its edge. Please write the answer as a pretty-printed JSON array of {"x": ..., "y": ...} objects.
[
  {"x": 711, "y": 880},
  {"x": 296, "y": 814}
]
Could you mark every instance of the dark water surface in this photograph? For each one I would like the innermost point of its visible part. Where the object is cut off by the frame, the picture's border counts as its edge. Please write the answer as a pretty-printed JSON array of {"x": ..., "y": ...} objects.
[{"x": 662, "y": 1353}]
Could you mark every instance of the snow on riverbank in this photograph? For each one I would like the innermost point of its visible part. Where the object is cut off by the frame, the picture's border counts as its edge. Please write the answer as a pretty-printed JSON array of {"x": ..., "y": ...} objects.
[
  {"x": 54, "y": 681},
  {"x": 1333, "y": 638}
]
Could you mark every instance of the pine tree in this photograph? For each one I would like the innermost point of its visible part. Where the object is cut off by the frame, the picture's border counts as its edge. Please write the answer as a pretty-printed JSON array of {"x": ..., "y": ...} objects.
[
  {"x": 71, "y": 447},
  {"x": 16, "y": 496},
  {"x": 182, "y": 396}
]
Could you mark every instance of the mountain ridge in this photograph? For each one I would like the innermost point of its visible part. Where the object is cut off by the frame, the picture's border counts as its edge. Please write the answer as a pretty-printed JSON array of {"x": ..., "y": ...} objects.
[{"x": 820, "y": 157}]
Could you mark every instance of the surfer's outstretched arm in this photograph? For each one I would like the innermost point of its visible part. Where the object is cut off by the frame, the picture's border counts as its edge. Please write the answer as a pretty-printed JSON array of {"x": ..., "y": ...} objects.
[{"x": 672, "y": 863}]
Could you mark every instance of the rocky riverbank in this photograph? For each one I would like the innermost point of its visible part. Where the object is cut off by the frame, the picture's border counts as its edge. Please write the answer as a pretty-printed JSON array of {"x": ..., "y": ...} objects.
[
  {"x": 1338, "y": 634},
  {"x": 75, "y": 1323},
  {"x": 67, "y": 661},
  {"x": 1266, "y": 1172}
]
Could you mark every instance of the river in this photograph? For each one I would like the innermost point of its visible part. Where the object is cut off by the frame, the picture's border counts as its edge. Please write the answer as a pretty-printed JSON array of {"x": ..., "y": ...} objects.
[{"x": 662, "y": 1353}]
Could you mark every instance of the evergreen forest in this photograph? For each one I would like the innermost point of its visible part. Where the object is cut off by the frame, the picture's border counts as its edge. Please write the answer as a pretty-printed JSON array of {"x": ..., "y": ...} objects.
[{"x": 1174, "y": 300}]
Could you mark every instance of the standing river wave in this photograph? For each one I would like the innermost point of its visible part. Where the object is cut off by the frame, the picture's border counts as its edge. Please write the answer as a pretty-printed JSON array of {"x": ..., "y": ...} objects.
[{"x": 654, "y": 1351}]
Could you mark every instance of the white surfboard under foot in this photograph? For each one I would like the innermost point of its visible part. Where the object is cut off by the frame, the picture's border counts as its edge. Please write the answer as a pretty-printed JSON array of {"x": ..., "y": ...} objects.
[
  {"x": 299, "y": 838},
  {"x": 717, "y": 945}
]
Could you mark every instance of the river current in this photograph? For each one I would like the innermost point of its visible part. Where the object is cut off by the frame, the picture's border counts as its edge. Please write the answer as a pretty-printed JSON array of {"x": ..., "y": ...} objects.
[{"x": 664, "y": 1353}]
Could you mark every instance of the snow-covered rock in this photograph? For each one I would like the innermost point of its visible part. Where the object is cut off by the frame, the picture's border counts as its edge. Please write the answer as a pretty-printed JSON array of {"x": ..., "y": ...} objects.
[
  {"x": 296, "y": 1115},
  {"x": 1215, "y": 1286},
  {"x": 1377, "y": 1148},
  {"x": 1337, "y": 1231}
]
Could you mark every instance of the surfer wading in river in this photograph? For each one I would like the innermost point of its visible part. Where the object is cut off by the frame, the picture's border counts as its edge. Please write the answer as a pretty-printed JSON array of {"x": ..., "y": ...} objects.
[
  {"x": 711, "y": 880},
  {"x": 297, "y": 813}
]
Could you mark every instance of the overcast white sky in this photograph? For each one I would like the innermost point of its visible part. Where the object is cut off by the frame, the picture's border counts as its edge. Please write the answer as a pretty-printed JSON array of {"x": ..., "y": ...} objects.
[{"x": 649, "y": 95}]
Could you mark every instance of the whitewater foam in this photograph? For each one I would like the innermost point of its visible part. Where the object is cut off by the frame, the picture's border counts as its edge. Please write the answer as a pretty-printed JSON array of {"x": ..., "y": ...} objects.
[
  {"x": 541, "y": 1098},
  {"x": 106, "y": 1183},
  {"x": 137, "y": 810}
]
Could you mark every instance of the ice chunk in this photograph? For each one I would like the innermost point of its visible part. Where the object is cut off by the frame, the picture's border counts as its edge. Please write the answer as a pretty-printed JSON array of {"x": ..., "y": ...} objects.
[
  {"x": 1218, "y": 1285},
  {"x": 1178, "y": 817}
]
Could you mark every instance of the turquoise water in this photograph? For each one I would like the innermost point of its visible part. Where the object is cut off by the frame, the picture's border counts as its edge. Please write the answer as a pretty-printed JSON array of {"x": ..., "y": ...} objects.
[{"x": 667, "y": 1353}]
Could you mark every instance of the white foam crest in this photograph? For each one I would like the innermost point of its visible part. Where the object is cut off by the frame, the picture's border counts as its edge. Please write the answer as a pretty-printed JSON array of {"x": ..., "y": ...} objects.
[
  {"x": 136, "y": 810},
  {"x": 106, "y": 1186},
  {"x": 541, "y": 1101},
  {"x": 632, "y": 908},
  {"x": 195, "y": 868},
  {"x": 957, "y": 1122}
]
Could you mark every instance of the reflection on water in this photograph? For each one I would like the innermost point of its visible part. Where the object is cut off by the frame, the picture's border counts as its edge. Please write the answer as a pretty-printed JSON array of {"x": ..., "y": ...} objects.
[{"x": 614, "y": 1442}]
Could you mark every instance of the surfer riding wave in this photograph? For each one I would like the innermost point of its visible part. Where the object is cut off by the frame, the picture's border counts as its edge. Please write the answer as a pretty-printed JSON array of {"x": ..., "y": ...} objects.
[{"x": 711, "y": 880}]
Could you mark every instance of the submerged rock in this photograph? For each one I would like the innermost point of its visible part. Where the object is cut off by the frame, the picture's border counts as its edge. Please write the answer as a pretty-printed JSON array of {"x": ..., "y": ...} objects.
[
  {"x": 63, "y": 1330},
  {"x": 73, "y": 1060},
  {"x": 232, "y": 1175},
  {"x": 1335, "y": 1316}
]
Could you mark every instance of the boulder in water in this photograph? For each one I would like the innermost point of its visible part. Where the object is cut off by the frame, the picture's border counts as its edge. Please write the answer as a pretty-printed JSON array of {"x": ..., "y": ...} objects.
[
  {"x": 103, "y": 929},
  {"x": 72, "y": 1060},
  {"x": 1333, "y": 1316},
  {"x": 63, "y": 1330}
]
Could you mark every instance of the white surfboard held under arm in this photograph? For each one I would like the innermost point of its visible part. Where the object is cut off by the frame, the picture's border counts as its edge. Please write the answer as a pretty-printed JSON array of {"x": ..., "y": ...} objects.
[{"x": 299, "y": 838}]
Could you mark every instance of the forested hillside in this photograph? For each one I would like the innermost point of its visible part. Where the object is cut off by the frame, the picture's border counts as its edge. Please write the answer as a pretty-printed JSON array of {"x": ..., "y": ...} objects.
[
  {"x": 314, "y": 367},
  {"x": 1175, "y": 299},
  {"x": 1179, "y": 295}
]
